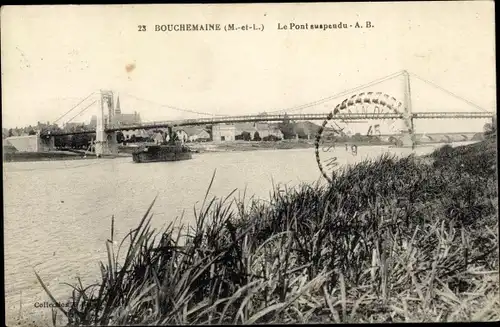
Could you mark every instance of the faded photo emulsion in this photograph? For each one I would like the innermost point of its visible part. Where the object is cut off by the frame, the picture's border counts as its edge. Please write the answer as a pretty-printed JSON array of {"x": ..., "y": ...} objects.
[{"x": 249, "y": 163}]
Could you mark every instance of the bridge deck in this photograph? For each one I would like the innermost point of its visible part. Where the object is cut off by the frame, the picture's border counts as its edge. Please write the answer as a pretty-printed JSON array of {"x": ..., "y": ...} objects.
[{"x": 296, "y": 117}]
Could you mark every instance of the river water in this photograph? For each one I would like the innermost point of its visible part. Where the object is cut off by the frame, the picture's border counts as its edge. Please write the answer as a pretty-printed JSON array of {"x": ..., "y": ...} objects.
[{"x": 57, "y": 214}]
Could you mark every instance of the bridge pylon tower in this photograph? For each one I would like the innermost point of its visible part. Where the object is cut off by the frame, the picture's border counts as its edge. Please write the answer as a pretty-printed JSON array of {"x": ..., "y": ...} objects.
[
  {"x": 409, "y": 135},
  {"x": 105, "y": 141}
]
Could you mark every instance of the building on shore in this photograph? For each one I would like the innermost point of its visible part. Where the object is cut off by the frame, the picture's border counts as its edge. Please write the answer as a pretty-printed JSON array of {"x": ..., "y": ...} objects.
[
  {"x": 264, "y": 130},
  {"x": 29, "y": 143},
  {"x": 135, "y": 133},
  {"x": 181, "y": 135},
  {"x": 121, "y": 119},
  {"x": 127, "y": 119},
  {"x": 93, "y": 121},
  {"x": 72, "y": 126},
  {"x": 223, "y": 132},
  {"x": 199, "y": 135},
  {"x": 193, "y": 134}
]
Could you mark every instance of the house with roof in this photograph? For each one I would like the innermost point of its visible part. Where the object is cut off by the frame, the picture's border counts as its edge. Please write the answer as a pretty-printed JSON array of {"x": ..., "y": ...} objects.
[
  {"x": 93, "y": 122},
  {"x": 127, "y": 119},
  {"x": 121, "y": 119},
  {"x": 182, "y": 135},
  {"x": 223, "y": 132},
  {"x": 196, "y": 134},
  {"x": 240, "y": 128},
  {"x": 73, "y": 125},
  {"x": 136, "y": 133},
  {"x": 263, "y": 129}
]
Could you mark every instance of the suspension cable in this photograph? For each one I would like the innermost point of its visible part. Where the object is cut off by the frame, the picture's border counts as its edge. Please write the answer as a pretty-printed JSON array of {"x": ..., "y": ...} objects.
[
  {"x": 79, "y": 103},
  {"x": 175, "y": 108},
  {"x": 78, "y": 114},
  {"x": 292, "y": 109},
  {"x": 307, "y": 105},
  {"x": 449, "y": 92}
]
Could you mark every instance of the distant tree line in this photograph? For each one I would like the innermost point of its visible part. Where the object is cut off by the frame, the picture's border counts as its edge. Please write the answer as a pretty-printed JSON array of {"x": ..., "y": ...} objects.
[
  {"x": 246, "y": 136},
  {"x": 29, "y": 130},
  {"x": 290, "y": 129},
  {"x": 490, "y": 129}
]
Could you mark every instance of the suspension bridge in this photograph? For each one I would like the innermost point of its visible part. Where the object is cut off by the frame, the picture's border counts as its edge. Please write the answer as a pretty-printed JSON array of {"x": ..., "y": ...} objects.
[{"x": 380, "y": 106}]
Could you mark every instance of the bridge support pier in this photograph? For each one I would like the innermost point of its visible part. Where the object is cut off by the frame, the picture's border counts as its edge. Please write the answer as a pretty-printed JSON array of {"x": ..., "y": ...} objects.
[
  {"x": 408, "y": 138},
  {"x": 52, "y": 143},
  {"x": 106, "y": 143},
  {"x": 46, "y": 143}
]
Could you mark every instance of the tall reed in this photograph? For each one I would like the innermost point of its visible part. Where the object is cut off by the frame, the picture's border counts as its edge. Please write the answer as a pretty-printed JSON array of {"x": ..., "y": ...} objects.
[{"x": 388, "y": 240}]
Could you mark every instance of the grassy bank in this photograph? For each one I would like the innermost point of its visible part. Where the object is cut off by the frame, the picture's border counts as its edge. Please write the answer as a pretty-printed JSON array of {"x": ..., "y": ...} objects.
[{"x": 388, "y": 240}]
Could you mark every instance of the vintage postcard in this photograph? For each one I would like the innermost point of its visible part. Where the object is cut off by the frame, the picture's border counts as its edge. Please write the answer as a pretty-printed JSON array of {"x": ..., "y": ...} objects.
[{"x": 249, "y": 163}]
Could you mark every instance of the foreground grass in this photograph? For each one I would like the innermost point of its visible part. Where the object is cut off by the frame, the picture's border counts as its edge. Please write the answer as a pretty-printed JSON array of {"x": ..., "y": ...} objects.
[{"x": 388, "y": 240}]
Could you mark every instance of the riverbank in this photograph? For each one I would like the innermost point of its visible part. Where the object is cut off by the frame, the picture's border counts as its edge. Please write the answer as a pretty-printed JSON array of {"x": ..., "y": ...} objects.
[
  {"x": 238, "y": 146},
  {"x": 41, "y": 156},
  {"x": 52, "y": 156},
  {"x": 389, "y": 240},
  {"x": 206, "y": 147},
  {"x": 249, "y": 146}
]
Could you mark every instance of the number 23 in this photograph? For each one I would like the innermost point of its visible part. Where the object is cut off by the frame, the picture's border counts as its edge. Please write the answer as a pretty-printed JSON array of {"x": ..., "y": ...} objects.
[{"x": 142, "y": 28}]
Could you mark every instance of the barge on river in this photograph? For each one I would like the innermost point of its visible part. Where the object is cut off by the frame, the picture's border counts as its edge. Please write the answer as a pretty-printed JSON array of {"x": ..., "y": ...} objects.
[{"x": 162, "y": 152}]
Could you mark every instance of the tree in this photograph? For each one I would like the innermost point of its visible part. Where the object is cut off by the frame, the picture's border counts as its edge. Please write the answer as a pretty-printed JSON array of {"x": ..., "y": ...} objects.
[
  {"x": 256, "y": 136},
  {"x": 61, "y": 141},
  {"x": 246, "y": 136},
  {"x": 287, "y": 128},
  {"x": 209, "y": 131},
  {"x": 490, "y": 129},
  {"x": 301, "y": 133},
  {"x": 271, "y": 138},
  {"x": 357, "y": 137}
]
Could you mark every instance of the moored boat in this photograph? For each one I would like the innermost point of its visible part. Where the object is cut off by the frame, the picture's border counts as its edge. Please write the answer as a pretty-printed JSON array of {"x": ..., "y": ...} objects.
[{"x": 161, "y": 152}]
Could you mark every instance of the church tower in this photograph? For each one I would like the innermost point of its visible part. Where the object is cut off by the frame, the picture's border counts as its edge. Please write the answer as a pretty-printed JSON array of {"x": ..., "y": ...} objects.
[{"x": 118, "y": 110}]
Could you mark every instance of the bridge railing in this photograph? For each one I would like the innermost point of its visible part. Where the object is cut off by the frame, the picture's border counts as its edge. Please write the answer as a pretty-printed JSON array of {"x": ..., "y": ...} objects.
[
  {"x": 281, "y": 117},
  {"x": 340, "y": 116},
  {"x": 250, "y": 118},
  {"x": 468, "y": 115}
]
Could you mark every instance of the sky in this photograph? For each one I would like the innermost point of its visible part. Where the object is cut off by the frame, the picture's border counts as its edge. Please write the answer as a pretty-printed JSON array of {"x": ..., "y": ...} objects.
[{"x": 55, "y": 56}]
